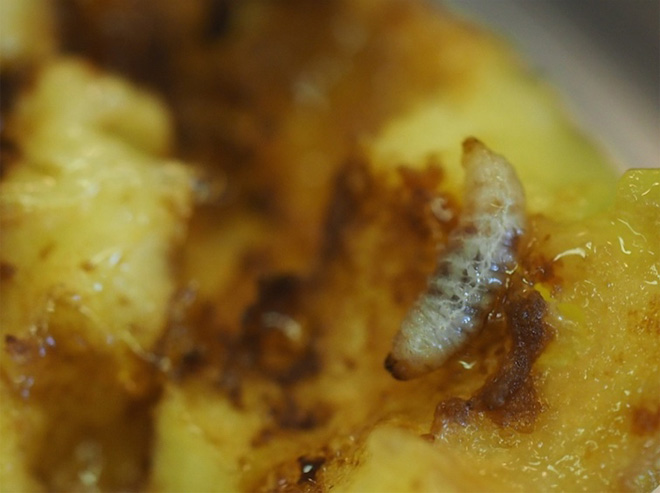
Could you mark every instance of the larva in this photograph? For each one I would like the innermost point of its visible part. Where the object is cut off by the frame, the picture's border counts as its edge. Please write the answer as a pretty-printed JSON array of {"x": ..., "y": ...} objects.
[{"x": 472, "y": 270}]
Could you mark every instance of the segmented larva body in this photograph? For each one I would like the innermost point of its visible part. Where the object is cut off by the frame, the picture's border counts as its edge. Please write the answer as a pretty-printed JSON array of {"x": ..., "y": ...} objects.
[{"x": 473, "y": 269}]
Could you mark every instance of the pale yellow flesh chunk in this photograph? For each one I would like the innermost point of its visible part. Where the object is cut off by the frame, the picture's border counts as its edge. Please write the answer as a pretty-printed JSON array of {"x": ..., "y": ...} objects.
[{"x": 91, "y": 215}]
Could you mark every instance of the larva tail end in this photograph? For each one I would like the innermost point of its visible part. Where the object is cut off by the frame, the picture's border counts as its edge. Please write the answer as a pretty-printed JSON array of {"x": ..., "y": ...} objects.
[{"x": 397, "y": 368}]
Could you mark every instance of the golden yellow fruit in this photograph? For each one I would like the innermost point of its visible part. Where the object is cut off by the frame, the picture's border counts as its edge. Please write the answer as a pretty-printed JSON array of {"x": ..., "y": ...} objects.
[{"x": 239, "y": 346}]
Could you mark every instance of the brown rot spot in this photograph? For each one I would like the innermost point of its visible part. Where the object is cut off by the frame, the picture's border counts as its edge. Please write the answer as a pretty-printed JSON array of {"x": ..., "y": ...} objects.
[
  {"x": 454, "y": 410},
  {"x": 647, "y": 319},
  {"x": 7, "y": 271},
  {"x": 545, "y": 270},
  {"x": 524, "y": 314},
  {"x": 417, "y": 194},
  {"x": 289, "y": 415},
  {"x": 645, "y": 421},
  {"x": 508, "y": 397},
  {"x": 18, "y": 349},
  {"x": 352, "y": 185},
  {"x": 9, "y": 151},
  {"x": 277, "y": 336},
  {"x": 12, "y": 82},
  {"x": 22, "y": 351}
]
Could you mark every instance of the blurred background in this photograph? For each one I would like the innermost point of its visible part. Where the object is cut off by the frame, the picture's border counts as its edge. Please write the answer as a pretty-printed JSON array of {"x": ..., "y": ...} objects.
[{"x": 602, "y": 55}]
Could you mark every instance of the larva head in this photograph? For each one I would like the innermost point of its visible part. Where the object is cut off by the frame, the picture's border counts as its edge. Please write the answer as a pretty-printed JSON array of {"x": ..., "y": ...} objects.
[{"x": 494, "y": 196}]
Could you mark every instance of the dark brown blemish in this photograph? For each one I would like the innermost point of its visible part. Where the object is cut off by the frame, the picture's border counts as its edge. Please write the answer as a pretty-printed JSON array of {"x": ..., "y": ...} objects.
[
  {"x": 520, "y": 409},
  {"x": 192, "y": 359},
  {"x": 18, "y": 349},
  {"x": 419, "y": 189},
  {"x": 46, "y": 251},
  {"x": 136, "y": 45},
  {"x": 509, "y": 396},
  {"x": 218, "y": 17},
  {"x": 545, "y": 270},
  {"x": 423, "y": 182},
  {"x": 524, "y": 315},
  {"x": 277, "y": 337},
  {"x": 645, "y": 421},
  {"x": 454, "y": 410},
  {"x": 537, "y": 266},
  {"x": 14, "y": 80},
  {"x": 647, "y": 320},
  {"x": 361, "y": 198},
  {"x": 541, "y": 269},
  {"x": 10, "y": 82},
  {"x": 263, "y": 437},
  {"x": 351, "y": 189},
  {"x": 9, "y": 150},
  {"x": 7, "y": 271},
  {"x": 185, "y": 343},
  {"x": 289, "y": 415},
  {"x": 277, "y": 343}
]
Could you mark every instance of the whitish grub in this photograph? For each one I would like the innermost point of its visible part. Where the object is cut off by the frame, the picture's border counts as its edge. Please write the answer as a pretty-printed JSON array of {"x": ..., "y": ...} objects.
[{"x": 472, "y": 270}]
